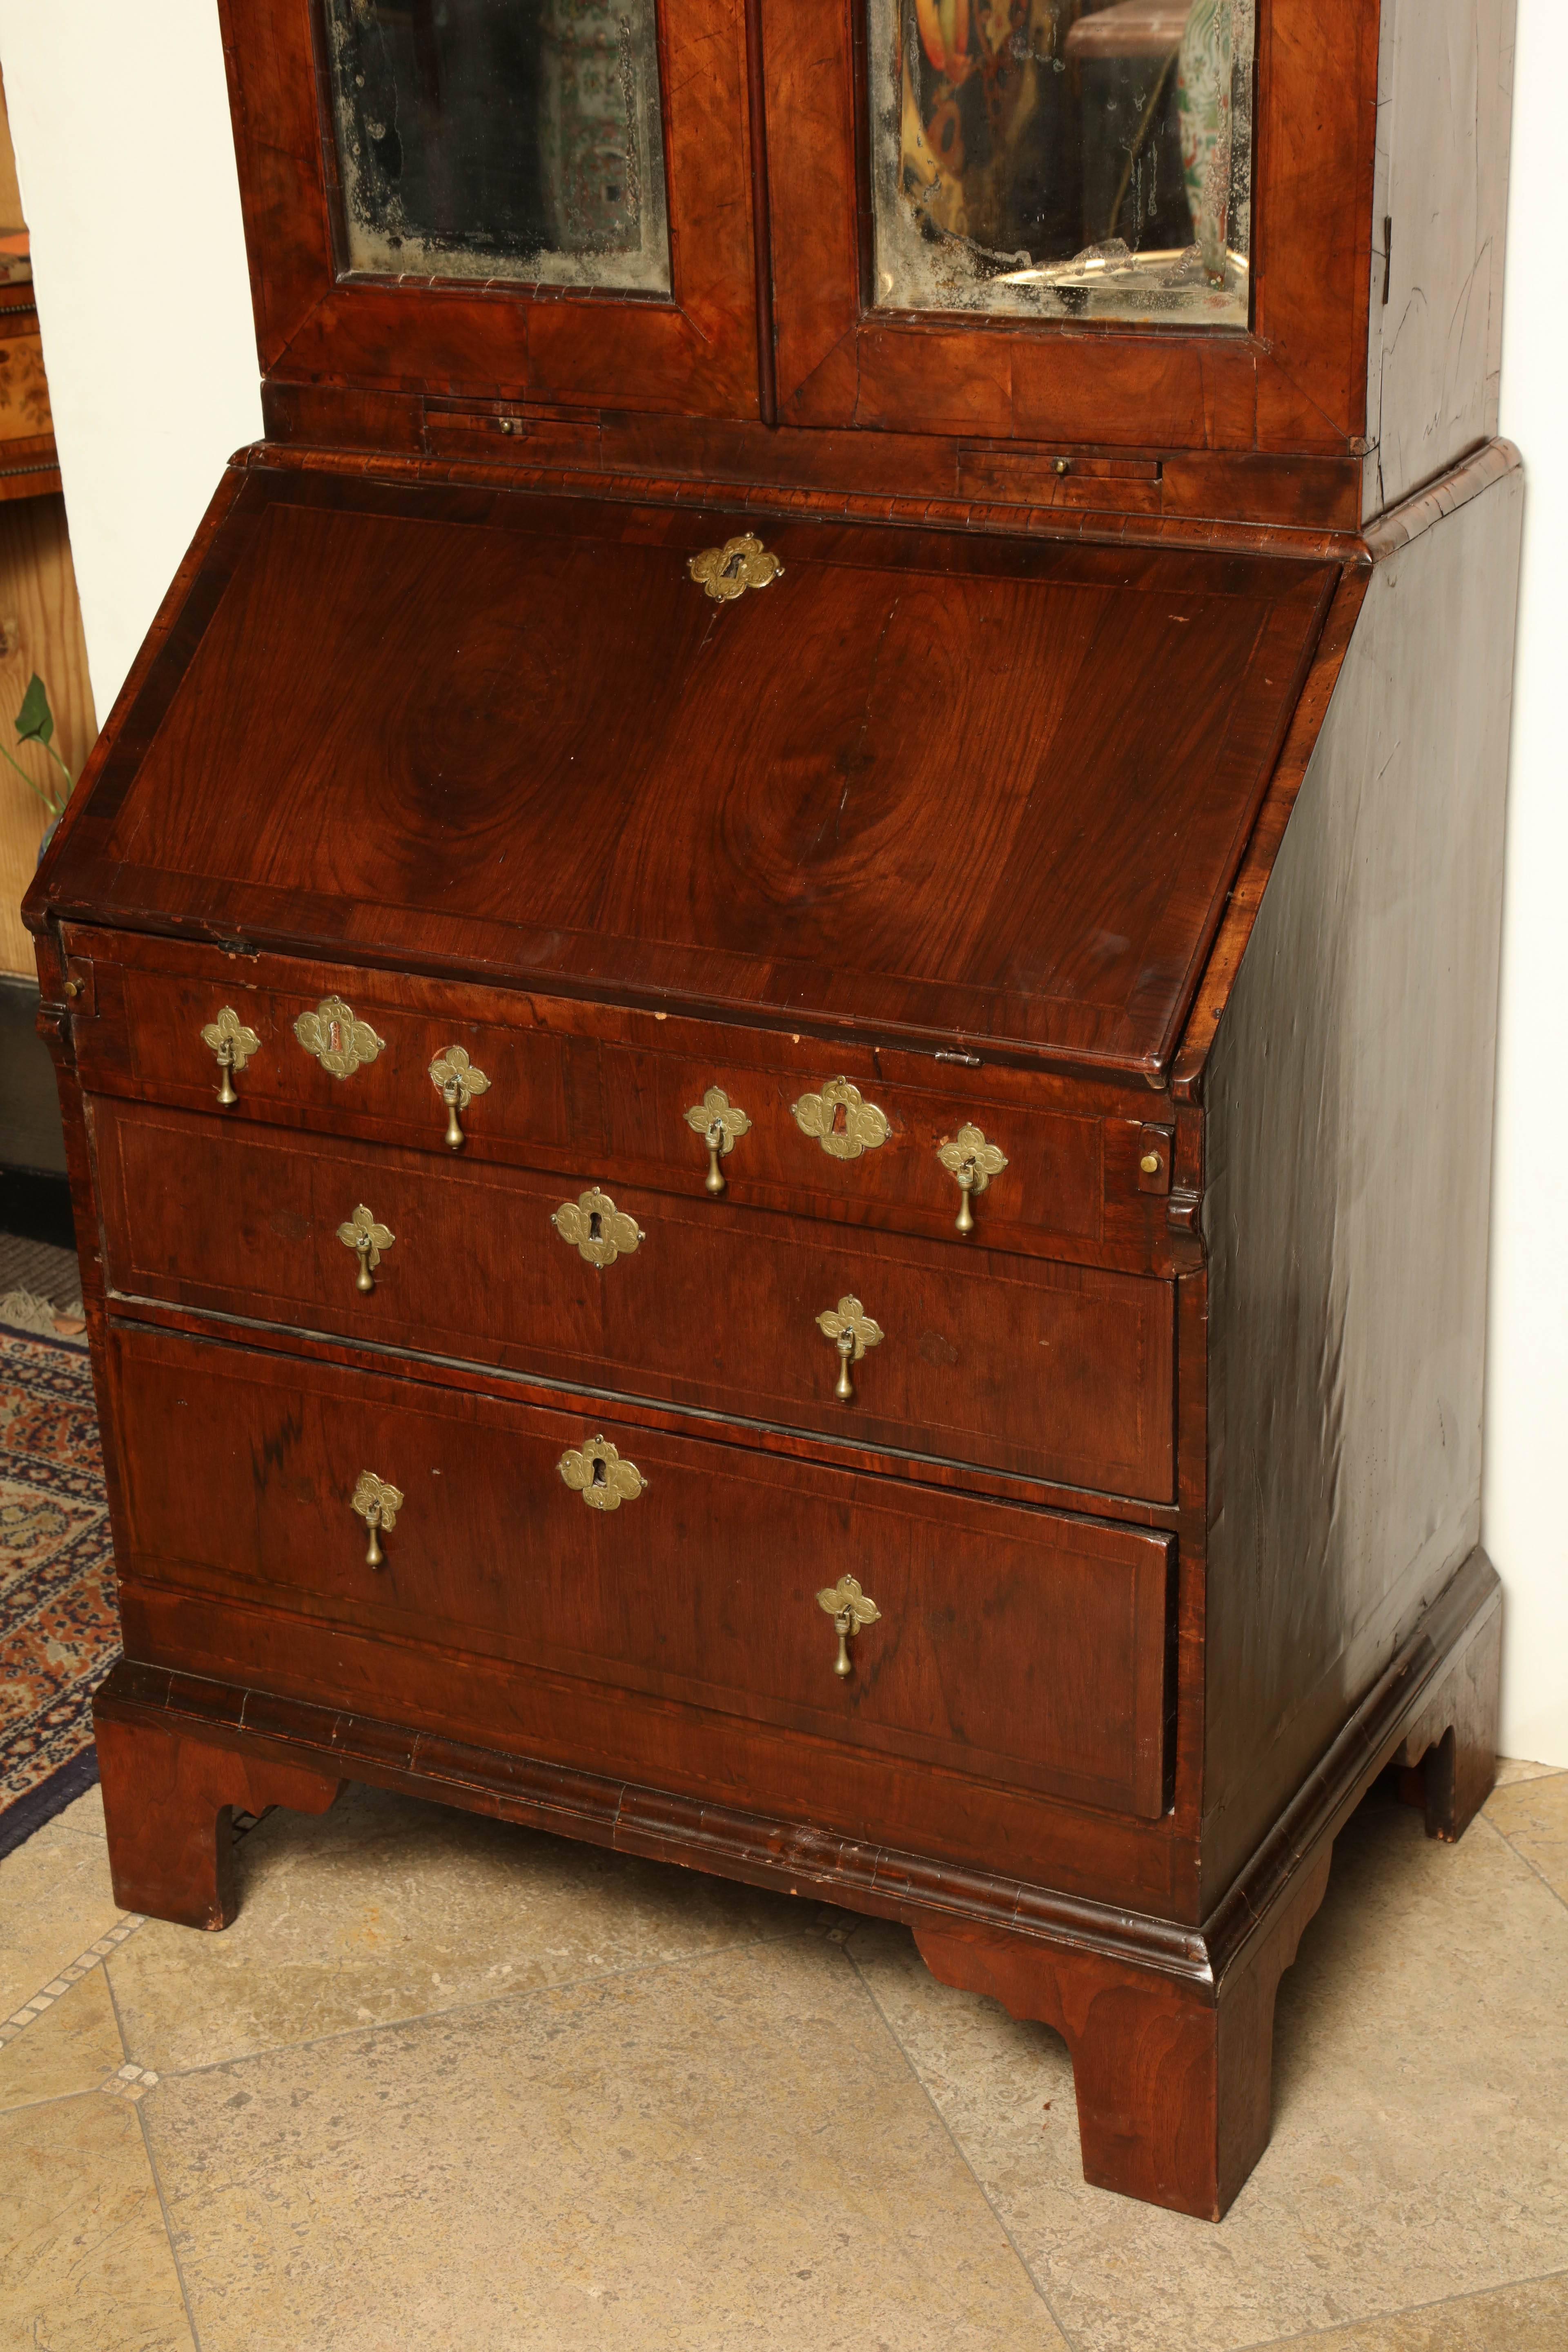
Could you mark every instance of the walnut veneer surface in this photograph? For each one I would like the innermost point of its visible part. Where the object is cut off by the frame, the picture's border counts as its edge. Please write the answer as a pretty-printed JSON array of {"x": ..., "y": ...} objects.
[{"x": 930, "y": 1352}]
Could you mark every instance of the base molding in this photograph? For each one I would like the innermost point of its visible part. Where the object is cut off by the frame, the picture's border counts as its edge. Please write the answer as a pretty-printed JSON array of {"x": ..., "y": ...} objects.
[{"x": 1169, "y": 2026}]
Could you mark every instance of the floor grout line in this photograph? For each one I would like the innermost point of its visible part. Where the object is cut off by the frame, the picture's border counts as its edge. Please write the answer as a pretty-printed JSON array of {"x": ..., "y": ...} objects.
[
  {"x": 1497, "y": 1832},
  {"x": 169, "y": 2232},
  {"x": 152, "y": 2170},
  {"x": 55, "y": 1988},
  {"x": 462, "y": 2008},
  {"x": 955, "y": 2144},
  {"x": 1398, "y": 2311},
  {"x": 126, "y": 1923}
]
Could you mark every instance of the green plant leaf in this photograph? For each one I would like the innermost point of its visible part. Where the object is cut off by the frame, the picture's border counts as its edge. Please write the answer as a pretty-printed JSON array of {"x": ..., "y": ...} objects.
[{"x": 35, "y": 721}]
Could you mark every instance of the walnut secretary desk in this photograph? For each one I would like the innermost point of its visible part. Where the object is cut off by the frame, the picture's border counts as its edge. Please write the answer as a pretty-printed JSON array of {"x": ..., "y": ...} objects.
[{"x": 775, "y": 992}]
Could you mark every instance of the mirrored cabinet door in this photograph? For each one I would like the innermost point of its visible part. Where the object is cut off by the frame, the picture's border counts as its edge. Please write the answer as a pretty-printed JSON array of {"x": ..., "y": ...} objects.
[
  {"x": 550, "y": 199},
  {"x": 1127, "y": 224},
  {"x": 1045, "y": 159},
  {"x": 518, "y": 140}
]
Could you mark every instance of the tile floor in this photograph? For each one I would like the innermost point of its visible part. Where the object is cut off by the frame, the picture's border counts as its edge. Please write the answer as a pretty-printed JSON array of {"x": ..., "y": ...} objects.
[{"x": 448, "y": 2083}]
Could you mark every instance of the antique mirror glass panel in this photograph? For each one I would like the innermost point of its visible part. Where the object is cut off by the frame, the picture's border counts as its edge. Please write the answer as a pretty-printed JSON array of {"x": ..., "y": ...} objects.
[
  {"x": 501, "y": 139},
  {"x": 1062, "y": 158}
]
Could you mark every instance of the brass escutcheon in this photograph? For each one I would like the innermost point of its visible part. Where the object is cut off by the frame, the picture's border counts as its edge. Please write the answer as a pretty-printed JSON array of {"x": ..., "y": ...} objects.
[
  {"x": 338, "y": 1038},
  {"x": 457, "y": 1080},
  {"x": 841, "y": 1121},
  {"x": 852, "y": 1331},
  {"x": 850, "y": 1608},
  {"x": 719, "y": 1121},
  {"x": 378, "y": 1505},
  {"x": 973, "y": 1162},
  {"x": 233, "y": 1044},
  {"x": 727, "y": 571},
  {"x": 595, "y": 1471},
  {"x": 597, "y": 1228},
  {"x": 361, "y": 1234}
]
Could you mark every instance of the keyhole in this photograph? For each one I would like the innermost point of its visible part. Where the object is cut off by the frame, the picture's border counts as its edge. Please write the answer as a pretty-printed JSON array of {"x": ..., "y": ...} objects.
[
  {"x": 598, "y": 1477},
  {"x": 733, "y": 567},
  {"x": 595, "y": 1224},
  {"x": 840, "y": 1119},
  {"x": 335, "y": 1035}
]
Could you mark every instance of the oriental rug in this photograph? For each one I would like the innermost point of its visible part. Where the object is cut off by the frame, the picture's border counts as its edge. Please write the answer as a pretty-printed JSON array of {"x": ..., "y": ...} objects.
[{"x": 60, "y": 1633}]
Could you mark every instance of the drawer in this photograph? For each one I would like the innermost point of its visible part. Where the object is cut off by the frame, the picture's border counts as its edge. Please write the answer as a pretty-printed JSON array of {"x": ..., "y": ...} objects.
[
  {"x": 564, "y": 1084},
  {"x": 1015, "y": 1644},
  {"x": 1040, "y": 1370}
]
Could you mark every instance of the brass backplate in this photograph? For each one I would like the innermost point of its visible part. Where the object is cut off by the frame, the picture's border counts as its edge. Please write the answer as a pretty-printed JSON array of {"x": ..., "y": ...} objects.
[
  {"x": 339, "y": 1039},
  {"x": 230, "y": 1040},
  {"x": 376, "y": 1501},
  {"x": 718, "y": 1120},
  {"x": 841, "y": 1121},
  {"x": 595, "y": 1470},
  {"x": 725, "y": 572},
  {"x": 362, "y": 1234},
  {"x": 851, "y": 1324},
  {"x": 851, "y": 1608},
  {"x": 972, "y": 1160},
  {"x": 597, "y": 1228},
  {"x": 457, "y": 1079}
]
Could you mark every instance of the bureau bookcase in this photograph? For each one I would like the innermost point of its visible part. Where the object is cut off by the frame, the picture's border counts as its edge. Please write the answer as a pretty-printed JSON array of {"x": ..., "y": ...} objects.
[{"x": 775, "y": 991}]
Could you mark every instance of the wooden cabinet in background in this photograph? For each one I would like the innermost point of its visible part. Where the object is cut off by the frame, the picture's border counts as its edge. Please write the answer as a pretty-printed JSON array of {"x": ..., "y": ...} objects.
[
  {"x": 775, "y": 993},
  {"x": 40, "y": 618}
]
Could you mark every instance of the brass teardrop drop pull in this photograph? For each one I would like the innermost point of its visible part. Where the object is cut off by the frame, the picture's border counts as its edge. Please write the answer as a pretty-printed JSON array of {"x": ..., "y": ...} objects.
[
  {"x": 973, "y": 1162},
  {"x": 233, "y": 1043},
  {"x": 718, "y": 1121},
  {"x": 852, "y": 1331},
  {"x": 378, "y": 1504},
  {"x": 851, "y": 1608},
  {"x": 457, "y": 1080},
  {"x": 367, "y": 1239}
]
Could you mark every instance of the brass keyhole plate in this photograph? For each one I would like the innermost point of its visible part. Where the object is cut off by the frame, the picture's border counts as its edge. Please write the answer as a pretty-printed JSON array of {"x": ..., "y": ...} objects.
[
  {"x": 338, "y": 1038},
  {"x": 725, "y": 572},
  {"x": 597, "y": 1228},
  {"x": 595, "y": 1471},
  {"x": 841, "y": 1121}
]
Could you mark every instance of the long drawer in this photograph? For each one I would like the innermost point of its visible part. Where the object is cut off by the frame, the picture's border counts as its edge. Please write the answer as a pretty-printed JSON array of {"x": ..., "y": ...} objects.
[
  {"x": 1023, "y": 1365},
  {"x": 837, "y": 1133},
  {"x": 1020, "y": 1645}
]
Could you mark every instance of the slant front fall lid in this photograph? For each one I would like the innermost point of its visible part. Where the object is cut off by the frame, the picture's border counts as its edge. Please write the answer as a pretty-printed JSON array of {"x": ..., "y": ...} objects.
[{"x": 921, "y": 786}]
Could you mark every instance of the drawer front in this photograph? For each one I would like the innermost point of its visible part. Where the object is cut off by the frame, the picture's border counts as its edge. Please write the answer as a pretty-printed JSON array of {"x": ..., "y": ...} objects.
[
  {"x": 1017, "y": 1645},
  {"x": 802, "y": 1133},
  {"x": 1040, "y": 1370}
]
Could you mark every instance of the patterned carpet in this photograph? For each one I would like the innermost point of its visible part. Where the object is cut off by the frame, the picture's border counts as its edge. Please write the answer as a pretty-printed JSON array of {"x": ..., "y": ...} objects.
[{"x": 59, "y": 1633}]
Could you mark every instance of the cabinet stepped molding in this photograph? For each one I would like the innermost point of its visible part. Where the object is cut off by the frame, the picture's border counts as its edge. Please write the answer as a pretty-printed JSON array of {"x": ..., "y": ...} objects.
[{"x": 775, "y": 993}]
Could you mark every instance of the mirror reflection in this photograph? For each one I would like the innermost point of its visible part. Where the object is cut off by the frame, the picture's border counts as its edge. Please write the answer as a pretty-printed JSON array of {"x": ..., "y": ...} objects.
[
  {"x": 1063, "y": 158},
  {"x": 513, "y": 139}
]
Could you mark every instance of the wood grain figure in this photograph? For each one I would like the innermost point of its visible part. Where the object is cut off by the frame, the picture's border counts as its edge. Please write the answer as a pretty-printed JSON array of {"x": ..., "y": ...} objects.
[{"x": 933, "y": 1359}]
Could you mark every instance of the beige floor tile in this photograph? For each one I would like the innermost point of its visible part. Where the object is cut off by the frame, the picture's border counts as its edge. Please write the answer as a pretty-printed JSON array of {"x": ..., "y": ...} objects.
[
  {"x": 1420, "y": 2144},
  {"x": 85, "y": 2264},
  {"x": 71, "y": 2047},
  {"x": 385, "y": 1908},
  {"x": 85, "y": 1814},
  {"x": 1534, "y": 1817},
  {"x": 727, "y": 2156},
  {"x": 1513, "y": 1769},
  {"x": 1532, "y": 2318},
  {"x": 55, "y": 1900}
]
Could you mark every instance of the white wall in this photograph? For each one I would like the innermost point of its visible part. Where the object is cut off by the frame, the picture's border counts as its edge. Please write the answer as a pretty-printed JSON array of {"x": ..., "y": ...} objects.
[
  {"x": 1524, "y": 1522},
  {"x": 119, "y": 116}
]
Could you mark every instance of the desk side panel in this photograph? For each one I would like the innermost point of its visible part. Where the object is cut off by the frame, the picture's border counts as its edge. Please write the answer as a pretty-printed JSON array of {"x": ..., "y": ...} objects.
[{"x": 1349, "y": 1100}]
